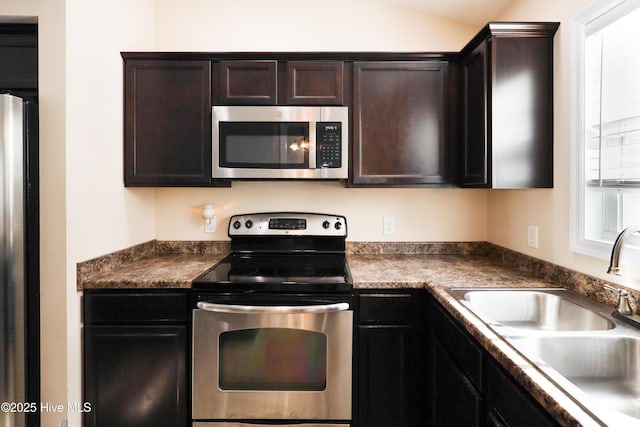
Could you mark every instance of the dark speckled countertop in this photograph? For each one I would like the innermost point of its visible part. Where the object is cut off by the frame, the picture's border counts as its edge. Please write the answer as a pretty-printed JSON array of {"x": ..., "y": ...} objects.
[
  {"x": 373, "y": 265},
  {"x": 151, "y": 265},
  {"x": 434, "y": 266},
  {"x": 418, "y": 271}
]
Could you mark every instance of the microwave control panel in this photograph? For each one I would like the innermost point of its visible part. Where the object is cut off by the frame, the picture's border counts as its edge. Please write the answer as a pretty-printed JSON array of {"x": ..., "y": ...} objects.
[{"x": 329, "y": 145}]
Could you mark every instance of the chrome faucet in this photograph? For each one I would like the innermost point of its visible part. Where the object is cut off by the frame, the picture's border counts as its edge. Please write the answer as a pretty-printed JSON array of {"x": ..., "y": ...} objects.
[
  {"x": 614, "y": 265},
  {"x": 623, "y": 300}
]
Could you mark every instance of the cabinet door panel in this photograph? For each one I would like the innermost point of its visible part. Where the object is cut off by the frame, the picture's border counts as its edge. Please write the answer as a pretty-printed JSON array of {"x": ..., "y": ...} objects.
[
  {"x": 167, "y": 122},
  {"x": 475, "y": 168},
  {"x": 315, "y": 83},
  {"x": 384, "y": 376},
  {"x": 514, "y": 405},
  {"x": 455, "y": 401},
  {"x": 399, "y": 123},
  {"x": 247, "y": 82},
  {"x": 522, "y": 112},
  {"x": 136, "y": 376},
  {"x": 464, "y": 350}
]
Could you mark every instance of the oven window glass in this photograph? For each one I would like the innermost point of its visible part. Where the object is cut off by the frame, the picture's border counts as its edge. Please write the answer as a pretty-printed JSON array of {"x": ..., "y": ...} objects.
[
  {"x": 264, "y": 145},
  {"x": 274, "y": 359}
]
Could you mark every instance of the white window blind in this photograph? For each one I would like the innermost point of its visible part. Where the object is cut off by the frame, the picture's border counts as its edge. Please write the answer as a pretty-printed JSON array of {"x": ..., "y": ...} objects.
[{"x": 612, "y": 104}]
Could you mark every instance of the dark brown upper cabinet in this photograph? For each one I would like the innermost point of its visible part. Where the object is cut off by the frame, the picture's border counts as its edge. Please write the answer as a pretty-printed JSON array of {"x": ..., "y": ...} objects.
[
  {"x": 481, "y": 117},
  {"x": 167, "y": 123},
  {"x": 315, "y": 83},
  {"x": 247, "y": 82},
  {"x": 19, "y": 58},
  {"x": 507, "y": 78},
  {"x": 399, "y": 123}
]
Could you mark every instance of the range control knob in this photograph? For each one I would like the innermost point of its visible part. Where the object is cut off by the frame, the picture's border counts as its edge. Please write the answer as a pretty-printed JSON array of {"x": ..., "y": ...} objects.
[
  {"x": 338, "y": 225},
  {"x": 237, "y": 224},
  {"x": 326, "y": 225},
  {"x": 248, "y": 223}
]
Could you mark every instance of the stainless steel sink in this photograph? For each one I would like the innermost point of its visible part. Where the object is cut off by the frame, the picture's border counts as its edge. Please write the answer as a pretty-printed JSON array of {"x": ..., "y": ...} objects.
[
  {"x": 548, "y": 310},
  {"x": 574, "y": 341},
  {"x": 606, "y": 368}
]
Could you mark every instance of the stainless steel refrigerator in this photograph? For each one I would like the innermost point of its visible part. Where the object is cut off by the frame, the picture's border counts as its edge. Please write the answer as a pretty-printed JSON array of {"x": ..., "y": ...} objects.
[{"x": 19, "y": 263}]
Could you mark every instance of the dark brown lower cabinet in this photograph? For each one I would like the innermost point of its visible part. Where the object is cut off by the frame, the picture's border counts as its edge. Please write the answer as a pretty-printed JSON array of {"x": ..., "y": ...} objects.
[
  {"x": 391, "y": 349},
  {"x": 456, "y": 401},
  {"x": 468, "y": 387},
  {"x": 135, "y": 359},
  {"x": 508, "y": 404}
]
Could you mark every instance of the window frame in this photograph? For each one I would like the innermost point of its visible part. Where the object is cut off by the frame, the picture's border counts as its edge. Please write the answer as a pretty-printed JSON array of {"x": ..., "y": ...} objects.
[{"x": 589, "y": 20}]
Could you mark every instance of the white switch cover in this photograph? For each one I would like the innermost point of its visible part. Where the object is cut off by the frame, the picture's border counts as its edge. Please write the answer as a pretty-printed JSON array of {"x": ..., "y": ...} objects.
[
  {"x": 210, "y": 225},
  {"x": 388, "y": 225},
  {"x": 532, "y": 236}
]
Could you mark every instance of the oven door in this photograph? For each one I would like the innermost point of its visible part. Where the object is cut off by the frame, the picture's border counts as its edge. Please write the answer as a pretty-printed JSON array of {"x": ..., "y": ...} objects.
[{"x": 272, "y": 362}]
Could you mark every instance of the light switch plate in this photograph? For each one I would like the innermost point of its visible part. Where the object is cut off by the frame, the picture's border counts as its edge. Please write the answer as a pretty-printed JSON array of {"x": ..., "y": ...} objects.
[
  {"x": 388, "y": 225},
  {"x": 532, "y": 236}
]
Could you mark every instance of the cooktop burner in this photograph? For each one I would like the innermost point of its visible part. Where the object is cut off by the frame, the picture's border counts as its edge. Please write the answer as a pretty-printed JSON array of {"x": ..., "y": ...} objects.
[
  {"x": 319, "y": 273},
  {"x": 282, "y": 252}
]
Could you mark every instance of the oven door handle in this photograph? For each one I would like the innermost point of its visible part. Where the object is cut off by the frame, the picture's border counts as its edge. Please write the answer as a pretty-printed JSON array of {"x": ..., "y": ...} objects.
[{"x": 284, "y": 309}]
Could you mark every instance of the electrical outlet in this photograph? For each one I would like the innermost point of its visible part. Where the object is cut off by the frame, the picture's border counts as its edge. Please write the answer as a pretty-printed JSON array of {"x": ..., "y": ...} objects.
[
  {"x": 532, "y": 236},
  {"x": 388, "y": 225}
]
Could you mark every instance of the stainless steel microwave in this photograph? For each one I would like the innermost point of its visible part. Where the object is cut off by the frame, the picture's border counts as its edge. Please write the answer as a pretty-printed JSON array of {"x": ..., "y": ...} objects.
[{"x": 278, "y": 142}]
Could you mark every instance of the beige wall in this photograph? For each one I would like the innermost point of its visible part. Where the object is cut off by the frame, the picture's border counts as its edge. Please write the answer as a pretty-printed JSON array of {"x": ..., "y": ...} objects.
[
  {"x": 510, "y": 211},
  {"x": 311, "y": 25},
  {"x": 420, "y": 214}
]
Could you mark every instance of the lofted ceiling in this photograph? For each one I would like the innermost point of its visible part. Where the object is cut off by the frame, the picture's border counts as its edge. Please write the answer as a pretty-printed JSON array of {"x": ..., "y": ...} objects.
[{"x": 477, "y": 12}]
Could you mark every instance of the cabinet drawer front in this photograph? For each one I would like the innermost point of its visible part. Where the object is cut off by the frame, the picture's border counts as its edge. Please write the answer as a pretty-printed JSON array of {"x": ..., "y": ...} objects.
[
  {"x": 465, "y": 352},
  {"x": 135, "y": 307},
  {"x": 385, "y": 308}
]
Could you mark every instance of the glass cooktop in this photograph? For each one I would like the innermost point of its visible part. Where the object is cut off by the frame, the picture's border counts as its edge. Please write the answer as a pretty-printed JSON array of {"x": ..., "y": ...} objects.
[{"x": 275, "y": 272}]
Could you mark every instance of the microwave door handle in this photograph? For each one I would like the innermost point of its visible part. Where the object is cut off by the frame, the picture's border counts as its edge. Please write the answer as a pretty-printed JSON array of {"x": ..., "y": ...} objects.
[
  {"x": 313, "y": 144},
  {"x": 244, "y": 309}
]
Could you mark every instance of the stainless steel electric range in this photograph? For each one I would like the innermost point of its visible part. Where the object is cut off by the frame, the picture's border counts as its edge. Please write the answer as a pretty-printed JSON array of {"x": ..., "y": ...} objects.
[{"x": 273, "y": 325}]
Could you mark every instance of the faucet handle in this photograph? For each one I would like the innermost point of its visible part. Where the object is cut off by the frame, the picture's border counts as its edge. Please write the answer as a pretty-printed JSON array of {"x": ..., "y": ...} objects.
[{"x": 623, "y": 302}]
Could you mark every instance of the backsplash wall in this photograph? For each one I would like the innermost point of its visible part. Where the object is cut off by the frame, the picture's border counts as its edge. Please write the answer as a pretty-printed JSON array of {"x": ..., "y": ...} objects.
[{"x": 419, "y": 214}]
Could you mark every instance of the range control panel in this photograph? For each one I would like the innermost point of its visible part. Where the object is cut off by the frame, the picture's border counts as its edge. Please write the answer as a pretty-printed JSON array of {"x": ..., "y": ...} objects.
[{"x": 288, "y": 224}]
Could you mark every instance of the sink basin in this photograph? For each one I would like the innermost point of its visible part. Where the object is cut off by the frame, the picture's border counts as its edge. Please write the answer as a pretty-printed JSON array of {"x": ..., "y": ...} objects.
[
  {"x": 537, "y": 310},
  {"x": 606, "y": 368}
]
